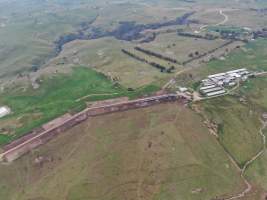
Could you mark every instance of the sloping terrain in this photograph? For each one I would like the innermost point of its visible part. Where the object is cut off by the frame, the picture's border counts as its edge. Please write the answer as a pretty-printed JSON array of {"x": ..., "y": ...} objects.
[
  {"x": 238, "y": 126},
  {"x": 131, "y": 155},
  {"x": 241, "y": 131}
]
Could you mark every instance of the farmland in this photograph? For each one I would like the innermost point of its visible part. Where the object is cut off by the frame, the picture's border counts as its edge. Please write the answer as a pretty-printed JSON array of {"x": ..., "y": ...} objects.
[
  {"x": 56, "y": 96},
  {"x": 59, "y": 56},
  {"x": 142, "y": 155},
  {"x": 239, "y": 124},
  {"x": 251, "y": 56},
  {"x": 238, "y": 127}
]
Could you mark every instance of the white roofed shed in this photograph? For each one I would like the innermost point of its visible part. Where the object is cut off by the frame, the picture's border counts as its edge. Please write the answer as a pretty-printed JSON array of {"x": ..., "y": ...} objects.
[{"x": 4, "y": 111}]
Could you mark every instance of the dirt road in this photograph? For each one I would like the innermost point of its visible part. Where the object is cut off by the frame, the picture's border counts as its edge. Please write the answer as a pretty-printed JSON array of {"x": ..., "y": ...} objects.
[
  {"x": 226, "y": 19},
  {"x": 172, "y": 81}
]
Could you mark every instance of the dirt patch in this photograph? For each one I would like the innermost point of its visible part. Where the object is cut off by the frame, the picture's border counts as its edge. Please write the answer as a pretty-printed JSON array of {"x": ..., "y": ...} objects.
[{"x": 56, "y": 122}]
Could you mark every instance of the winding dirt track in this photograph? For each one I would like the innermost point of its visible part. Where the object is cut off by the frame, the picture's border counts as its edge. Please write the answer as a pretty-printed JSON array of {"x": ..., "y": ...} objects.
[
  {"x": 248, "y": 163},
  {"x": 226, "y": 19}
]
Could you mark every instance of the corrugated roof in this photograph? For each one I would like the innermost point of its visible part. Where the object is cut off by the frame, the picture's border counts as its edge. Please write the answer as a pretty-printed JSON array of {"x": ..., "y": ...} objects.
[{"x": 215, "y": 93}]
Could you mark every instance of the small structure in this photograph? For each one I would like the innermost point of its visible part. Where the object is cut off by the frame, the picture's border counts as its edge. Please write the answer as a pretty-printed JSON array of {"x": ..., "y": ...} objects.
[
  {"x": 264, "y": 116},
  {"x": 210, "y": 90},
  {"x": 208, "y": 87},
  {"x": 216, "y": 75},
  {"x": 220, "y": 92},
  {"x": 4, "y": 111},
  {"x": 231, "y": 84},
  {"x": 183, "y": 89}
]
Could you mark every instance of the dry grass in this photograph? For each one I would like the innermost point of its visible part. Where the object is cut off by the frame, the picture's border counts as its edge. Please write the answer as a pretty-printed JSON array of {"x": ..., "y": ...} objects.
[{"x": 131, "y": 155}]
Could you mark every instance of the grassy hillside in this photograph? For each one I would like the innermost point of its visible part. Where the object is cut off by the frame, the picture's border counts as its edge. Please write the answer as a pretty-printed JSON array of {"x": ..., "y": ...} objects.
[
  {"x": 28, "y": 30},
  {"x": 105, "y": 56},
  {"x": 129, "y": 155},
  {"x": 57, "y": 95},
  {"x": 251, "y": 56},
  {"x": 256, "y": 94},
  {"x": 238, "y": 126}
]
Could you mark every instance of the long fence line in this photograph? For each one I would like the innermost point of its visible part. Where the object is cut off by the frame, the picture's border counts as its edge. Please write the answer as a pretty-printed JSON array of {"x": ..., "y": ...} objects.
[{"x": 22, "y": 147}]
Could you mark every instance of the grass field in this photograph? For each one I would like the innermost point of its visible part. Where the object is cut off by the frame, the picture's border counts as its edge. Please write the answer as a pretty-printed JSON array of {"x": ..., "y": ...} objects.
[
  {"x": 130, "y": 155},
  {"x": 251, "y": 56},
  {"x": 257, "y": 95},
  {"x": 258, "y": 171},
  {"x": 180, "y": 47},
  {"x": 56, "y": 96},
  {"x": 29, "y": 30},
  {"x": 238, "y": 126},
  {"x": 104, "y": 55},
  {"x": 256, "y": 92}
]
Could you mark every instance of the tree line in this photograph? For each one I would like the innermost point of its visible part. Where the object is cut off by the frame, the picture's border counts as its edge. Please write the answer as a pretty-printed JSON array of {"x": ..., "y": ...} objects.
[
  {"x": 207, "y": 53},
  {"x": 151, "y": 53},
  {"x": 205, "y": 37},
  {"x": 162, "y": 68}
]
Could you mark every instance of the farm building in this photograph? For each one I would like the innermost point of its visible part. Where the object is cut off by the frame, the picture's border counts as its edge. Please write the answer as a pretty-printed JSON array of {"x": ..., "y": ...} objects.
[
  {"x": 264, "y": 116},
  {"x": 4, "y": 111},
  {"x": 216, "y": 75},
  {"x": 215, "y": 84},
  {"x": 211, "y": 90},
  {"x": 183, "y": 89},
  {"x": 208, "y": 87},
  {"x": 215, "y": 93}
]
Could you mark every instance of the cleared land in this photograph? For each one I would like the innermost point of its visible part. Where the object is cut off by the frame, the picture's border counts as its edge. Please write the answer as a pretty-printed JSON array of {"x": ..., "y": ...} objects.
[
  {"x": 26, "y": 40},
  {"x": 238, "y": 120},
  {"x": 56, "y": 96},
  {"x": 180, "y": 47},
  {"x": 238, "y": 126},
  {"x": 130, "y": 155},
  {"x": 256, "y": 94},
  {"x": 164, "y": 152},
  {"x": 251, "y": 56},
  {"x": 104, "y": 55}
]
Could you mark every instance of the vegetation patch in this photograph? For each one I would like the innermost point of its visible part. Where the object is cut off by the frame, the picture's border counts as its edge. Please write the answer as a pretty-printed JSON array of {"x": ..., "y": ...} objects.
[
  {"x": 134, "y": 153},
  {"x": 238, "y": 126},
  {"x": 58, "y": 95},
  {"x": 252, "y": 56}
]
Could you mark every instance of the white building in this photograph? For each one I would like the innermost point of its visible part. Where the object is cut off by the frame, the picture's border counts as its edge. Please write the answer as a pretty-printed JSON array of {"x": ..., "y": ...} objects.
[
  {"x": 237, "y": 71},
  {"x": 208, "y": 87},
  {"x": 231, "y": 84},
  {"x": 216, "y": 93},
  {"x": 4, "y": 111},
  {"x": 211, "y": 90},
  {"x": 183, "y": 89},
  {"x": 216, "y": 75}
]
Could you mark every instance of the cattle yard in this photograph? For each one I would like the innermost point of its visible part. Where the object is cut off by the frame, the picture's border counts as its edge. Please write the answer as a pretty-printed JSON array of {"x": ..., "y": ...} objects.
[{"x": 217, "y": 84}]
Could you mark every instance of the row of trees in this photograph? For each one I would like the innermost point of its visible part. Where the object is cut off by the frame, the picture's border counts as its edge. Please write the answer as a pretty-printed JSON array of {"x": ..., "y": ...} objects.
[
  {"x": 206, "y": 36},
  {"x": 151, "y": 53},
  {"x": 198, "y": 56},
  {"x": 153, "y": 64}
]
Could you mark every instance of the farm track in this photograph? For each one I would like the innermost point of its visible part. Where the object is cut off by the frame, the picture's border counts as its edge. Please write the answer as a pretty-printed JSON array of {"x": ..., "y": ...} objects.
[
  {"x": 243, "y": 169},
  {"x": 226, "y": 19},
  {"x": 248, "y": 163}
]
